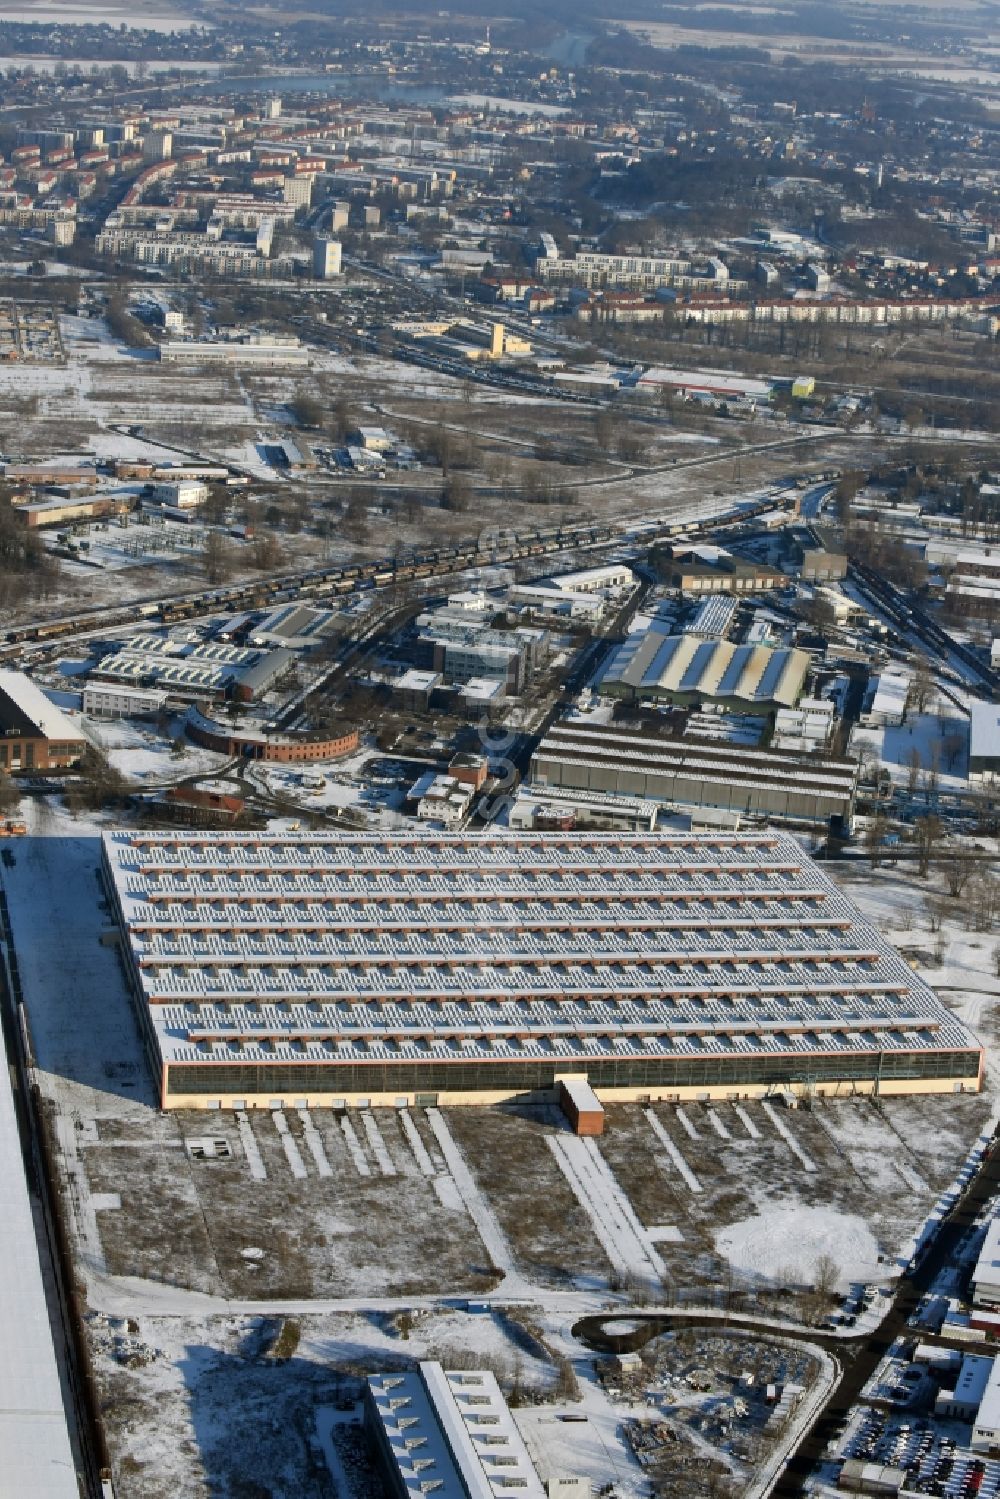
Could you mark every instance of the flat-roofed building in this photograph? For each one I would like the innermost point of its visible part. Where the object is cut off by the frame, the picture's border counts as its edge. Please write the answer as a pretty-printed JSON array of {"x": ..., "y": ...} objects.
[
  {"x": 986, "y": 1426},
  {"x": 447, "y": 1433},
  {"x": 34, "y": 733},
  {"x": 860, "y": 1477},
  {"x": 688, "y": 671},
  {"x": 423, "y": 968},
  {"x": 183, "y": 494},
  {"x": 986, "y": 1275},
  {"x": 962, "y": 1403},
  {"x": 885, "y": 700},
  {"x": 327, "y": 255},
  {"x": 535, "y": 807},
  {"x": 984, "y": 739},
  {"x": 105, "y": 700},
  {"x": 554, "y": 603},
  {"x": 611, "y": 760},
  {"x": 37, "y": 1456}
]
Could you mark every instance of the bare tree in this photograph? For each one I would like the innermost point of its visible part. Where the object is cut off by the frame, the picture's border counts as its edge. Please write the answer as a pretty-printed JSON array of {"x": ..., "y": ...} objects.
[
  {"x": 927, "y": 832},
  {"x": 216, "y": 557},
  {"x": 455, "y": 494},
  {"x": 953, "y": 744},
  {"x": 875, "y": 839},
  {"x": 922, "y": 686},
  {"x": 936, "y": 908},
  {"x": 983, "y": 901},
  {"x": 913, "y": 764},
  {"x": 958, "y": 870}
]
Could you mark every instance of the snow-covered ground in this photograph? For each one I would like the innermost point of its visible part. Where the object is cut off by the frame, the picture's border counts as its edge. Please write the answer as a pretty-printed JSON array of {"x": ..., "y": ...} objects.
[
  {"x": 934, "y": 743},
  {"x": 141, "y": 753},
  {"x": 790, "y": 1238}
]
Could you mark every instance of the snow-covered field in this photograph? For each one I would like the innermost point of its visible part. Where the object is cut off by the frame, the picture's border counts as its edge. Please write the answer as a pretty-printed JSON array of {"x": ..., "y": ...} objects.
[
  {"x": 788, "y": 1240},
  {"x": 141, "y": 753}
]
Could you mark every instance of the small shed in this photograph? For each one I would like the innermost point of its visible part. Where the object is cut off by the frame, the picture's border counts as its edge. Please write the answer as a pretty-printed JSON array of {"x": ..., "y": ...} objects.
[{"x": 580, "y": 1104}]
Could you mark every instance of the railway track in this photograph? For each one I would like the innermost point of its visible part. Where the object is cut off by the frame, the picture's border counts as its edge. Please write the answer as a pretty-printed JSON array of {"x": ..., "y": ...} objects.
[{"x": 324, "y": 584}]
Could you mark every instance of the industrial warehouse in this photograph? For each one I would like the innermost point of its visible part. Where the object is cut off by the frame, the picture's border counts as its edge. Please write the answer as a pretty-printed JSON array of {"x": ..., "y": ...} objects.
[
  {"x": 688, "y": 671},
  {"x": 447, "y": 1432},
  {"x": 438, "y": 969},
  {"x": 799, "y": 788}
]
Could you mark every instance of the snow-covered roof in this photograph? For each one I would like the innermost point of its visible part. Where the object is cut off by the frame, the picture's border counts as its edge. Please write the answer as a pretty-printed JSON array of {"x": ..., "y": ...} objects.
[
  {"x": 31, "y": 701},
  {"x": 421, "y": 946},
  {"x": 651, "y": 662},
  {"x": 35, "y": 1454},
  {"x": 604, "y": 748},
  {"x": 984, "y": 730},
  {"x": 451, "y": 1434}
]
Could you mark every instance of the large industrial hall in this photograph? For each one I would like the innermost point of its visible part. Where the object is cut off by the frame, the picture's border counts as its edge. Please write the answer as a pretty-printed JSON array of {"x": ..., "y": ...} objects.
[{"x": 444, "y": 969}]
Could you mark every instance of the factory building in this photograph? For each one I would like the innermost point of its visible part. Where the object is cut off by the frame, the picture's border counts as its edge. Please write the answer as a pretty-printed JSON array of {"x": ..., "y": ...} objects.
[
  {"x": 34, "y": 733},
  {"x": 446, "y": 1433},
  {"x": 207, "y": 670},
  {"x": 262, "y": 350},
  {"x": 61, "y": 512},
  {"x": 688, "y": 672},
  {"x": 713, "y": 384},
  {"x": 707, "y": 569},
  {"x": 687, "y": 773},
  {"x": 417, "y": 969}
]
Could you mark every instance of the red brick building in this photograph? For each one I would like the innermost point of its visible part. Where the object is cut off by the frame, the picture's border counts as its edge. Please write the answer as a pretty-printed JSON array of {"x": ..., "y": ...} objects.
[
  {"x": 255, "y": 744},
  {"x": 35, "y": 735}
]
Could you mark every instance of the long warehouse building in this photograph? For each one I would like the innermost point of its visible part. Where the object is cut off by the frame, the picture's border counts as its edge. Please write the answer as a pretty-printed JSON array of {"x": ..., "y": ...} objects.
[
  {"x": 687, "y": 671},
  {"x": 447, "y": 1433},
  {"x": 419, "y": 969},
  {"x": 813, "y": 790}
]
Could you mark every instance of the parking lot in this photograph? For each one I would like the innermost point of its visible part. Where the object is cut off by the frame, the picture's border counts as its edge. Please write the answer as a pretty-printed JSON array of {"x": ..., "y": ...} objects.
[{"x": 933, "y": 1461}]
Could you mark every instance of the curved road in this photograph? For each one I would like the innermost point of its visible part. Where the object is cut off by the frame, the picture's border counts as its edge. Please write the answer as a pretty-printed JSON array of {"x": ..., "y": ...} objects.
[{"x": 859, "y": 1355}]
